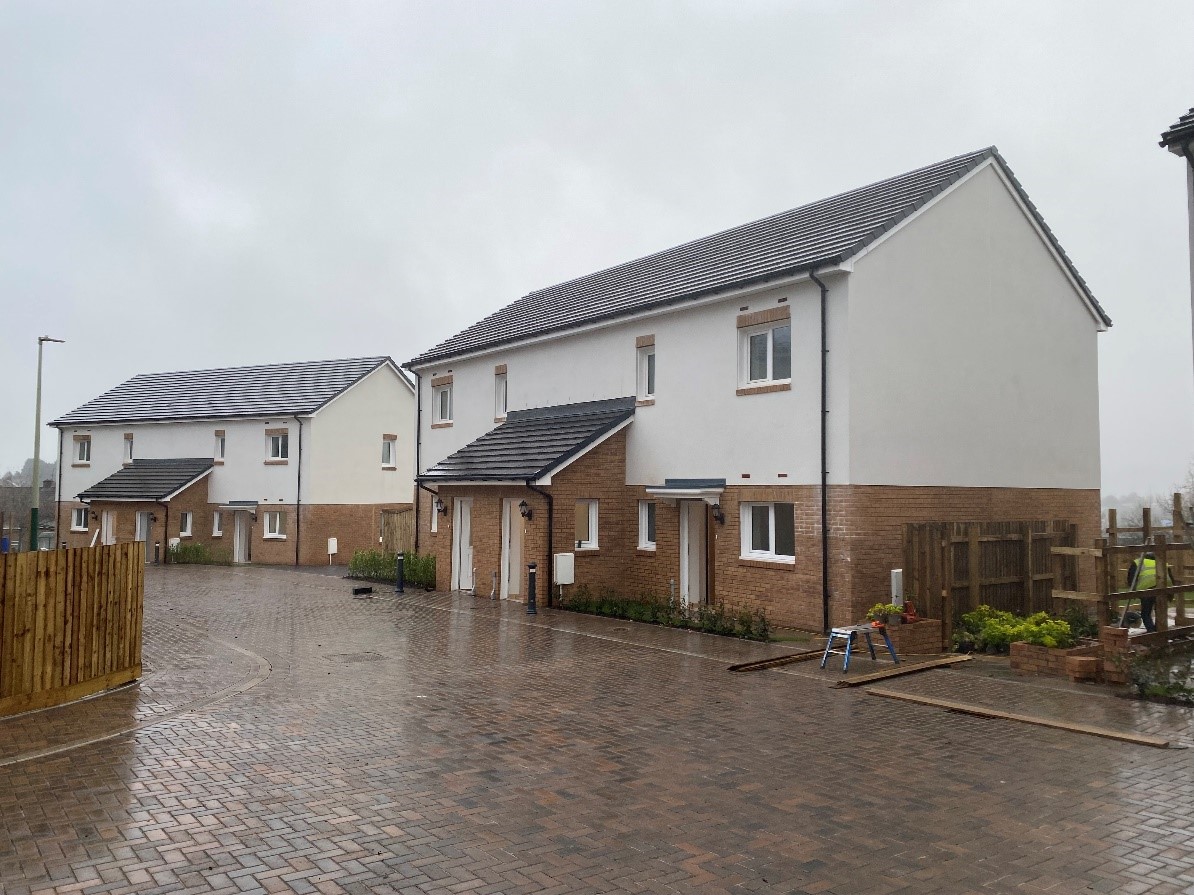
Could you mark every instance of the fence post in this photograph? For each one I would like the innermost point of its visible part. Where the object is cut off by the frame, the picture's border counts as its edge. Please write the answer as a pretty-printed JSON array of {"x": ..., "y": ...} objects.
[
  {"x": 973, "y": 587},
  {"x": 1104, "y": 582},
  {"x": 1162, "y": 610},
  {"x": 400, "y": 573},
  {"x": 531, "y": 567}
]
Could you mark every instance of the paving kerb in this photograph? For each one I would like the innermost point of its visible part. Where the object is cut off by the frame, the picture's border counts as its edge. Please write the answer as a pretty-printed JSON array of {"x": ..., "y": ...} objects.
[{"x": 478, "y": 752}]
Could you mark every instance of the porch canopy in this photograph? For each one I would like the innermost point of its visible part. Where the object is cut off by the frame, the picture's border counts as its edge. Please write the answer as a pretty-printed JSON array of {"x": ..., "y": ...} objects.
[
  {"x": 154, "y": 481},
  {"x": 531, "y": 445},
  {"x": 672, "y": 490}
]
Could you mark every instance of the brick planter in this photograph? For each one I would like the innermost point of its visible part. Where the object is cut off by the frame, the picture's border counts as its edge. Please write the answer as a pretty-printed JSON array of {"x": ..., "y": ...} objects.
[
  {"x": 919, "y": 638},
  {"x": 1034, "y": 659}
]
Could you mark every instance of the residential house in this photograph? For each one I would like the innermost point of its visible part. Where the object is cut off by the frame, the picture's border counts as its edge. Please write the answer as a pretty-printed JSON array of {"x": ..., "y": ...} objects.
[
  {"x": 266, "y": 464},
  {"x": 1179, "y": 140},
  {"x": 750, "y": 418}
]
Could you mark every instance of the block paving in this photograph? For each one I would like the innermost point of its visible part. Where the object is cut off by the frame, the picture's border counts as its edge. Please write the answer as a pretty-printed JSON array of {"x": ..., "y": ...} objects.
[{"x": 289, "y": 738}]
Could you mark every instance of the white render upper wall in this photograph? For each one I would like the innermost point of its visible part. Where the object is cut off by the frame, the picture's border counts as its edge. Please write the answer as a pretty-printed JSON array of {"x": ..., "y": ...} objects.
[
  {"x": 698, "y": 426},
  {"x": 974, "y": 358}
]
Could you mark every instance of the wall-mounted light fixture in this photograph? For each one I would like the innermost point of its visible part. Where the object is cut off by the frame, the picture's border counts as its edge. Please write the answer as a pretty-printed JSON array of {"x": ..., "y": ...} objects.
[
  {"x": 94, "y": 515},
  {"x": 525, "y": 509},
  {"x": 153, "y": 517},
  {"x": 441, "y": 507},
  {"x": 719, "y": 515}
]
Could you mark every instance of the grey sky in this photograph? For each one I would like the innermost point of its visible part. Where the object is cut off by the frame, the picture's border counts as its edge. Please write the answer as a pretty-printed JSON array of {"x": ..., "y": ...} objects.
[{"x": 207, "y": 184}]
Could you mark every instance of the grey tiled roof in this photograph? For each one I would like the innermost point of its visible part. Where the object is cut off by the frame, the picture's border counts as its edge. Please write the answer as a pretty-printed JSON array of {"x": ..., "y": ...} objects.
[
  {"x": 149, "y": 479},
  {"x": 1179, "y": 132},
  {"x": 231, "y": 392},
  {"x": 532, "y": 442},
  {"x": 825, "y": 232}
]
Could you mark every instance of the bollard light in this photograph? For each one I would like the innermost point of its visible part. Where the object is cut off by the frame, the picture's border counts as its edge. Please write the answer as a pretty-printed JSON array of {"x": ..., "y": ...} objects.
[
  {"x": 531, "y": 610},
  {"x": 400, "y": 573}
]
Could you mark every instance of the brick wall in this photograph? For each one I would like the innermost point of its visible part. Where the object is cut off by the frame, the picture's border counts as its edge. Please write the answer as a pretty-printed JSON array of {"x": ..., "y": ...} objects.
[{"x": 355, "y": 526}]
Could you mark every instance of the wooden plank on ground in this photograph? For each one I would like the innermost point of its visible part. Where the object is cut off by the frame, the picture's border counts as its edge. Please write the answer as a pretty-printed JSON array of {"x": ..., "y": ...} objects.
[
  {"x": 776, "y": 661},
  {"x": 901, "y": 669},
  {"x": 984, "y": 712}
]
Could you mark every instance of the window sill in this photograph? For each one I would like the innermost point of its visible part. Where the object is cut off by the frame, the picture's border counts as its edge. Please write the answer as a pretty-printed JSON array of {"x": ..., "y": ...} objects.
[
  {"x": 127, "y": 463},
  {"x": 186, "y": 537},
  {"x": 499, "y": 419},
  {"x": 645, "y": 402},
  {"x": 80, "y": 465},
  {"x": 217, "y": 534},
  {"x": 645, "y": 551},
  {"x": 777, "y": 565},
  {"x": 587, "y": 551},
  {"x": 386, "y": 468},
  {"x": 273, "y": 537},
  {"x": 79, "y": 531},
  {"x": 764, "y": 388},
  {"x": 276, "y": 462},
  {"x": 444, "y": 425},
  {"x": 217, "y": 462}
]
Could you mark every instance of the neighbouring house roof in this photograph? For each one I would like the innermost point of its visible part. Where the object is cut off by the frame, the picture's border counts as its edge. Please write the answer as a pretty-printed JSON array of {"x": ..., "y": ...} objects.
[
  {"x": 229, "y": 392},
  {"x": 1179, "y": 133},
  {"x": 532, "y": 443},
  {"x": 150, "y": 480},
  {"x": 826, "y": 232}
]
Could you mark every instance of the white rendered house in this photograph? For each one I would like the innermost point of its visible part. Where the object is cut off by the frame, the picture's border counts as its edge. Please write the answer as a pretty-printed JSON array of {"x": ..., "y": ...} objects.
[
  {"x": 265, "y": 462},
  {"x": 752, "y": 416}
]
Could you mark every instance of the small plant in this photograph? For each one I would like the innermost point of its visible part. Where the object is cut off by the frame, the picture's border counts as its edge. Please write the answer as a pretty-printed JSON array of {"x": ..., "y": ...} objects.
[
  {"x": 715, "y": 619},
  {"x": 1081, "y": 624},
  {"x": 1166, "y": 673},
  {"x": 378, "y": 565},
  {"x": 995, "y": 630},
  {"x": 880, "y": 611}
]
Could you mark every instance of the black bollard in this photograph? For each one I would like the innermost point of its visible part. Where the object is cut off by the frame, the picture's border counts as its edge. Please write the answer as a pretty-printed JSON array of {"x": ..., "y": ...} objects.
[
  {"x": 531, "y": 610},
  {"x": 401, "y": 573},
  {"x": 157, "y": 553}
]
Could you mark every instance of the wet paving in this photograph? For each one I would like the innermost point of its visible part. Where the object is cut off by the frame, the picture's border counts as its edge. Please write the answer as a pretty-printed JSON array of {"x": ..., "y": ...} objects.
[{"x": 288, "y": 738}]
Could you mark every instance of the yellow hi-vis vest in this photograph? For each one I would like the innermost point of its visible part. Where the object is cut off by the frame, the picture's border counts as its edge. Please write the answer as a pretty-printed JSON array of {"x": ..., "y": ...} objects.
[{"x": 1146, "y": 574}]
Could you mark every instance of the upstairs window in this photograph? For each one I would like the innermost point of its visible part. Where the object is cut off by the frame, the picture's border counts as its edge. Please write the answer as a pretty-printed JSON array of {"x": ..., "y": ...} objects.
[
  {"x": 499, "y": 395},
  {"x": 128, "y": 447},
  {"x": 441, "y": 404},
  {"x": 220, "y": 445},
  {"x": 646, "y": 373},
  {"x": 646, "y": 525},
  {"x": 767, "y": 354},
  {"x": 586, "y": 525},
  {"x": 769, "y": 532},
  {"x": 389, "y": 451},
  {"x": 277, "y": 444},
  {"x": 82, "y": 448},
  {"x": 78, "y": 519}
]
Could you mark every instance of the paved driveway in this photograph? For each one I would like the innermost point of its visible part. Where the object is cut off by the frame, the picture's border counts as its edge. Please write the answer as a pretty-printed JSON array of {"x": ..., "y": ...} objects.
[{"x": 290, "y": 738}]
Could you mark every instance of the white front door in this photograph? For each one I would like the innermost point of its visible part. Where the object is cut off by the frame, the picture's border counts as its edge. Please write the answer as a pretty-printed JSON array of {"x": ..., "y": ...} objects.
[
  {"x": 240, "y": 536},
  {"x": 692, "y": 552},
  {"x": 462, "y": 543},
  {"x": 511, "y": 549},
  {"x": 142, "y": 533},
  {"x": 107, "y": 527}
]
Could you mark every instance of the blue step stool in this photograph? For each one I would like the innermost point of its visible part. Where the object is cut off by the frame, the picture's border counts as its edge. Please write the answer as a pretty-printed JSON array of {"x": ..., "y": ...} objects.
[{"x": 848, "y": 635}]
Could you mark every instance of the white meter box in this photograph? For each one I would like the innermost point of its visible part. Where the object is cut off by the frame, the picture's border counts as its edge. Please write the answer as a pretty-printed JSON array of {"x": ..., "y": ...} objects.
[{"x": 565, "y": 568}]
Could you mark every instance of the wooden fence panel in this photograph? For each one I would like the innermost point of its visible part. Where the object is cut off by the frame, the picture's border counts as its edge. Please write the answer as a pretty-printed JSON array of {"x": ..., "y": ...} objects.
[
  {"x": 70, "y": 623},
  {"x": 398, "y": 531}
]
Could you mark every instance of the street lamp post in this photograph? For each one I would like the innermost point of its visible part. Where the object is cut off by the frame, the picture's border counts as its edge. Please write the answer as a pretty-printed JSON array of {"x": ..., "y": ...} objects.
[{"x": 34, "y": 510}]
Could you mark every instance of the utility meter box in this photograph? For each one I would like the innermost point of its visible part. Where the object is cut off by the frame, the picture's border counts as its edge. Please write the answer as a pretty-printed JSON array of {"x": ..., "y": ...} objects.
[
  {"x": 565, "y": 568},
  {"x": 333, "y": 546},
  {"x": 897, "y": 587}
]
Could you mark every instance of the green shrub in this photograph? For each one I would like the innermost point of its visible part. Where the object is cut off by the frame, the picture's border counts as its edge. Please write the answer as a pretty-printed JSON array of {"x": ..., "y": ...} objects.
[
  {"x": 994, "y": 630},
  {"x": 1163, "y": 673},
  {"x": 378, "y": 565},
  {"x": 198, "y": 554},
  {"x": 741, "y": 622},
  {"x": 1082, "y": 624}
]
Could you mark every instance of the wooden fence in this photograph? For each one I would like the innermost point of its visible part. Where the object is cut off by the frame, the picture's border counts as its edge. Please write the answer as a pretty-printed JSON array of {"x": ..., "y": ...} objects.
[
  {"x": 398, "y": 531},
  {"x": 70, "y": 623},
  {"x": 951, "y": 568}
]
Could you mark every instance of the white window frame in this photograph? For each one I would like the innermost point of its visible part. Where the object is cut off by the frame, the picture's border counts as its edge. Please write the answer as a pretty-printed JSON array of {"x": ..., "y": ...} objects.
[
  {"x": 275, "y": 527},
  {"x": 83, "y": 449},
  {"x": 747, "y": 531},
  {"x": 220, "y": 446},
  {"x": 646, "y": 509},
  {"x": 278, "y": 446},
  {"x": 436, "y": 415},
  {"x": 186, "y": 524},
  {"x": 593, "y": 542},
  {"x": 647, "y": 373},
  {"x": 217, "y": 525},
  {"x": 768, "y": 329},
  {"x": 128, "y": 448},
  {"x": 389, "y": 446},
  {"x": 500, "y": 396},
  {"x": 74, "y": 519}
]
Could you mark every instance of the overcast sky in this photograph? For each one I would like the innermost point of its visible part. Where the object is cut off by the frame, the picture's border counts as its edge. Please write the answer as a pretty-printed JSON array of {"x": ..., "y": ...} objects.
[{"x": 190, "y": 185}]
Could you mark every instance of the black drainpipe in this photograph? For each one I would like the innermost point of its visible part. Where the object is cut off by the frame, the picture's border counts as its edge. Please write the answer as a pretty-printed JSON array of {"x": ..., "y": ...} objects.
[
  {"x": 824, "y": 452},
  {"x": 551, "y": 520},
  {"x": 419, "y": 452},
  {"x": 165, "y": 533},
  {"x": 298, "y": 497}
]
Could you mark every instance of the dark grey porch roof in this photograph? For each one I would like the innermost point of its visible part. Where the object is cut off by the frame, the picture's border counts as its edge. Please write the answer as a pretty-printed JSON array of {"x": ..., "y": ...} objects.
[
  {"x": 825, "y": 232},
  {"x": 531, "y": 443},
  {"x": 229, "y": 392},
  {"x": 150, "y": 479},
  {"x": 1181, "y": 131}
]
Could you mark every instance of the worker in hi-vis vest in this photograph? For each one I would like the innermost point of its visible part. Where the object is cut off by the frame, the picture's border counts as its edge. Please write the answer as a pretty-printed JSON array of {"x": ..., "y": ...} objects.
[{"x": 1142, "y": 575}]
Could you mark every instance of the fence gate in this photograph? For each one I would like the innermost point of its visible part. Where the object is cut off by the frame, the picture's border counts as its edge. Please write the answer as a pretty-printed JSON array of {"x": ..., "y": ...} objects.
[
  {"x": 398, "y": 531},
  {"x": 951, "y": 568}
]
